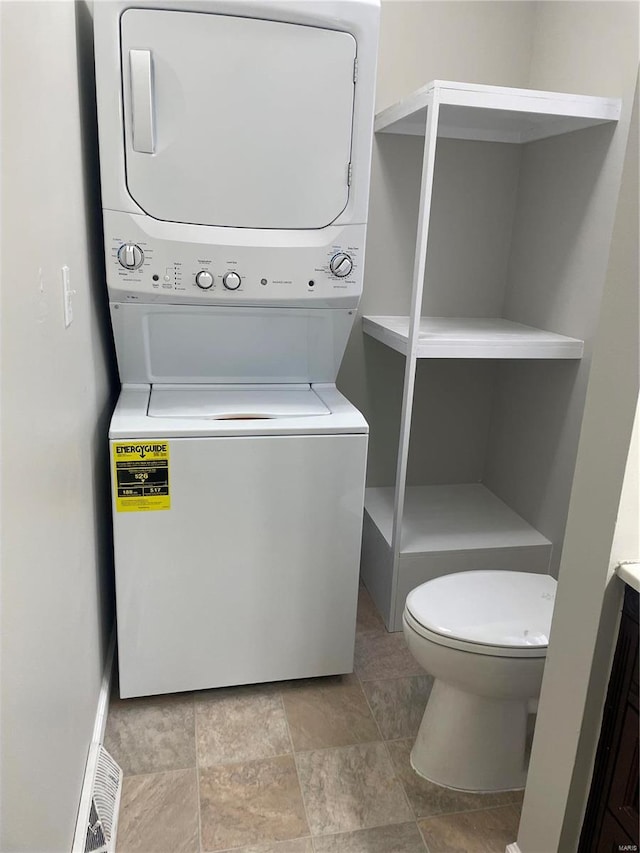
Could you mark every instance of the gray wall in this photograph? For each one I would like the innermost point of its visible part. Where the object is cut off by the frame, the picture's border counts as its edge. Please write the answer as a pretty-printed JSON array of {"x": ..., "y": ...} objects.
[
  {"x": 566, "y": 204},
  {"x": 55, "y": 399},
  {"x": 520, "y": 232},
  {"x": 57, "y": 382},
  {"x": 587, "y": 607},
  {"x": 482, "y": 42}
]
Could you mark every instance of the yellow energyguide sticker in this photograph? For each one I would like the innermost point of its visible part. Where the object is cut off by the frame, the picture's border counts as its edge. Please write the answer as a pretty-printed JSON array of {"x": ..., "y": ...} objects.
[{"x": 141, "y": 475}]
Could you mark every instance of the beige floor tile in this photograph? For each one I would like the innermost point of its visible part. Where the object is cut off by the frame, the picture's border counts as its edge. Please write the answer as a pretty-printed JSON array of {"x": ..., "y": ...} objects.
[
  {"x": 368, "y": 617},
  {"x": 428, "y": 799},
  {"x": 159, "y": 813},
  {"x": 326, "y": 712},
  {"x": 239, "y": 725},
  {"x": 398, "y": 704},
  {"x": 383, "y": 655},
  {"x": 473, "y": 832},
  {"x": 300, "y": 845},
  {"x": 152, "y": 734},
  {"x": 353, "y": 787},
  {"x": 398, "y": 838},
  {"x": 251, "y": 803}
]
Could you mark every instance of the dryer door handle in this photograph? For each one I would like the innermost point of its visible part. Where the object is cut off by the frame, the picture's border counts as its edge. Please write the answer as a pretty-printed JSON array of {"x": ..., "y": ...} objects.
[{"x": 141, "y": 66}]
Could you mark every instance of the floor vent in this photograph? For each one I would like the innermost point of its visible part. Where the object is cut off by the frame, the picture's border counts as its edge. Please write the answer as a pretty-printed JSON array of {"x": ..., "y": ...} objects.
[
  {"x": 96, "y": 841},
  {"x": 101, "y": 801}
]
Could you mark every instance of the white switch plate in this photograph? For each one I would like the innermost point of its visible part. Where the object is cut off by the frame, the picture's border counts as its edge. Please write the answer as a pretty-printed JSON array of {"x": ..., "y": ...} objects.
[{"x": 67, "y": 293}]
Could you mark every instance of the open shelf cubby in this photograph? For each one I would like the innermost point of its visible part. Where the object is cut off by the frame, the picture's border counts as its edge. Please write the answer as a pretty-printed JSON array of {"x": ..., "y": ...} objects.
[{"x": 446, "y": 528}]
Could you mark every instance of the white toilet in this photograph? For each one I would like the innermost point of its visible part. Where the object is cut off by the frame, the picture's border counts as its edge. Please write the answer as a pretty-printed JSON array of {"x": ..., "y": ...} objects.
[{"x": 483, "y": 636}]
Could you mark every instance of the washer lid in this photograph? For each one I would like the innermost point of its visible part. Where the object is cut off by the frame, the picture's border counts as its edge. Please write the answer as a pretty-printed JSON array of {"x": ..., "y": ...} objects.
[
  {"x": 496, "y": 608},
  {"x": 235, "y": 402}
]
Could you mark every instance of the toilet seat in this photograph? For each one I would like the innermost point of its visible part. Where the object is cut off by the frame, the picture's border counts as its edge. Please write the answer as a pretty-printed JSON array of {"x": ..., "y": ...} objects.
[
  {"x": 473, "y": 648},
  {"x": 497, "y": 613}
]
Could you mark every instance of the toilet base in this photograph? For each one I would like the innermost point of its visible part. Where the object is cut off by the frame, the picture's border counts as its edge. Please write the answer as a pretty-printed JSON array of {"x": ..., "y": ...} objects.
[{"x": 471, "y": 743}]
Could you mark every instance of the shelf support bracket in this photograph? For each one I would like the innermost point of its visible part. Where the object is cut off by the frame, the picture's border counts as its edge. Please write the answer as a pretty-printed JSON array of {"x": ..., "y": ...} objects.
[{"x": 422, "y": 237}]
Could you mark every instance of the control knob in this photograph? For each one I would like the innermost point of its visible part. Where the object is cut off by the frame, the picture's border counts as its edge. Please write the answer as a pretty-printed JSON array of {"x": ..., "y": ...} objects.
[
  {"x": 231, "y": 280},
  {"x": 130, "y": 256},
  {"x": 341, "y": 264},
  {"x": 204, "y": 280}
]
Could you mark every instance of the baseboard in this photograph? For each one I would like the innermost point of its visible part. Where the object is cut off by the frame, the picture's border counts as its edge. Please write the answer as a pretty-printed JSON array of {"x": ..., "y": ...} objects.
[
  {"x": 79, "y": 838},
  {"x": 105, "y": 692},
  {"x": 513, "y": 848}
]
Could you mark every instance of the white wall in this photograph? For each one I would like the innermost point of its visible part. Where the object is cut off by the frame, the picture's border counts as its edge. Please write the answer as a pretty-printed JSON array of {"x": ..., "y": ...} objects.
[
  {"x": 587, "y": 606},
  {"x": 55, "y": 400}
]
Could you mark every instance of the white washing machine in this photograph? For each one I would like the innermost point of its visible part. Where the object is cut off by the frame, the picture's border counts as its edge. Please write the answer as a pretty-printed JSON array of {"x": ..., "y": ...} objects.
[{"x": 235, "y": 144}]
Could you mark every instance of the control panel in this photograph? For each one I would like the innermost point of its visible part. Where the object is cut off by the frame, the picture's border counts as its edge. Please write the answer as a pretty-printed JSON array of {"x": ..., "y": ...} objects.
[{"x": 143, "y": 268}]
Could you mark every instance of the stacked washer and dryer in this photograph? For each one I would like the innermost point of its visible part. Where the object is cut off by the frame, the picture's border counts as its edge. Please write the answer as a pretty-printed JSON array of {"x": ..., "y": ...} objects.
[{"x": 235, "y": 145}]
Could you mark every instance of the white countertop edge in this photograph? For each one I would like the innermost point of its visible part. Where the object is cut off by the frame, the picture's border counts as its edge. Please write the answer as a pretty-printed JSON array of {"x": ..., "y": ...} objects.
[{"x": 630, "y": 574}]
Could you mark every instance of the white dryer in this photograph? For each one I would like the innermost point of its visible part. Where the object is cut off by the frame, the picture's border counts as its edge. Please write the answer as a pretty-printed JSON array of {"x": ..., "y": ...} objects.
[{"x": 235, "y": 144}]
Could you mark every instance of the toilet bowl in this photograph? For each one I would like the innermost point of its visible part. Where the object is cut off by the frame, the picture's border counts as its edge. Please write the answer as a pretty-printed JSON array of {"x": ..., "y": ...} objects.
[{"x": 483, "y": 636}]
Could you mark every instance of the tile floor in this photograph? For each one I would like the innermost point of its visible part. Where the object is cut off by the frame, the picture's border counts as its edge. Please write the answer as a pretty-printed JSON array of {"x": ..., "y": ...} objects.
[{"x": 314, "y": 766}]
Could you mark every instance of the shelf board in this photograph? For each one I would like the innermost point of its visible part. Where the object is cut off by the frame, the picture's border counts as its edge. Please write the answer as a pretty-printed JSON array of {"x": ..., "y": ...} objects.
[
  {"x": 472, "y": 337},
  {"x": 451, "y": 518},
  {"x": 496, "y": 113}
]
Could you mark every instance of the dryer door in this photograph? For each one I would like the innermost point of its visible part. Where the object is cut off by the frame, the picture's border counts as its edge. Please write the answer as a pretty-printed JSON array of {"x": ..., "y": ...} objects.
[{"x": 236, "y": 121}]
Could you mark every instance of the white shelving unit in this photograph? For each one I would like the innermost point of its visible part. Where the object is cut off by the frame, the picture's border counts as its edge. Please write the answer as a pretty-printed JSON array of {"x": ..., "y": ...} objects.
[
  {"x": 415, "y": 533},
  {"x": 495, "y": 113}
]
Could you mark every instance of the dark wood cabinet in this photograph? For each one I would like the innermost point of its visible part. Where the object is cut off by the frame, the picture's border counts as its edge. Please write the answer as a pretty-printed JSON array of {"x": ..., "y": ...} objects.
[
  {"x": 612, "y": 838},
  {"x": 611, "y": 823}
]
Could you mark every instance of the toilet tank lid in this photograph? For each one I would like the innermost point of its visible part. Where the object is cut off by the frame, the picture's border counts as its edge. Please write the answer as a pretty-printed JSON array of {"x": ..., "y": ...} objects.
[{"x": 495, "y": 608}]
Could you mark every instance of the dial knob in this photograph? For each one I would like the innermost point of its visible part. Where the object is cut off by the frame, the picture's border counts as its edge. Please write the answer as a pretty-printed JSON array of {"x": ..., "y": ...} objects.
[
  {"x": 231, "y": 280},
  {"x": 130, "y": 256},
  {"x": 204, "y": 280},
  {"x": 341, "y": 265}
]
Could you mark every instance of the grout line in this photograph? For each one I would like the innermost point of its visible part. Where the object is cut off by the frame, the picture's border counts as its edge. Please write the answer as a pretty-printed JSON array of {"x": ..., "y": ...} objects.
[
  {"x": 240, "y": 761},
  {"x": 388, "y": 754},
  {"x": 424, "y": 840},
  {"x": 244, "y": 846},
  {"x": 389, "y": 678},
  {"x": 295, "y": 764},
  {"x": 343, "y": 746},
  {"x": 366, "y": 699},
  {"x": 468, "y": 811},
  {"x": 395, "y": 677},
  {"x": 195, "y": 735},
  {"x": 411, "y": 738},
  {"x": 361, "y": 829},
  {"x": 400, "y": 782},
  {"x": 157, "y": 772}
]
